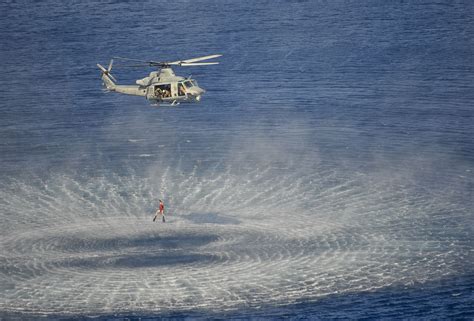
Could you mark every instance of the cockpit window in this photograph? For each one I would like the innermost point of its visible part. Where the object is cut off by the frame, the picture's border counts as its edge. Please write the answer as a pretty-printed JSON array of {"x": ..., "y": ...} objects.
[
  {"x": 181, "y": 90},
  {"x": 188, "y": 83}
]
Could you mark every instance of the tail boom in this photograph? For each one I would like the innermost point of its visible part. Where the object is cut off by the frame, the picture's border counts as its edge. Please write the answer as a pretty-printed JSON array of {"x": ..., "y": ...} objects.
[{"x": 110, "y": 83}]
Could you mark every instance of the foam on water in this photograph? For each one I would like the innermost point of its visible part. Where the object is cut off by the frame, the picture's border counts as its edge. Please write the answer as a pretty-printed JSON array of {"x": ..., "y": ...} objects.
[{"x": 232, "y": 241}]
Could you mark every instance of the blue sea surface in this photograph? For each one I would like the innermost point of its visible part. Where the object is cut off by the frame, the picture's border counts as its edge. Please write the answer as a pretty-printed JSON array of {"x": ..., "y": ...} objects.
[{"x": 328, "y": 171}]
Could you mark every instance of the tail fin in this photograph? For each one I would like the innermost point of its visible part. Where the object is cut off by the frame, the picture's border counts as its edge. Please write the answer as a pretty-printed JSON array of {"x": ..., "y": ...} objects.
[{"x": 107, "y": 78}]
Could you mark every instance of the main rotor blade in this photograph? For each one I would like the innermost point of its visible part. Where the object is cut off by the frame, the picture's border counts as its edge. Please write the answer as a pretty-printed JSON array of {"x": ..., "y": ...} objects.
[
  {"x": 185, "y": 64},
  {"x": 137, "y": 60},
  {"x": 132, "y": 66},
  {"x": 201, "y": 58},
  {"x": 193, "y": 60},
  {"x": 148, "y": 63}
]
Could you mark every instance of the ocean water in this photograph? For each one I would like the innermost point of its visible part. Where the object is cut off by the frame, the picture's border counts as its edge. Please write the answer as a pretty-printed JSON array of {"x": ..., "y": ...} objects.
[{"x": 326, "y": 173}]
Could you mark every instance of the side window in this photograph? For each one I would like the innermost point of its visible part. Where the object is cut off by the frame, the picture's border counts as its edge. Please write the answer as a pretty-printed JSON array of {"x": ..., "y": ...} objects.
[
  {"x": 163, "y": 91},
  {"x": 181, "y": 90}
]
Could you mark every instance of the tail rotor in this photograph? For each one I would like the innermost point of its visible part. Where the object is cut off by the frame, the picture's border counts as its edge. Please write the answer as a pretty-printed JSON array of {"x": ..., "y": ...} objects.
[{"x": 107, "y": 71}]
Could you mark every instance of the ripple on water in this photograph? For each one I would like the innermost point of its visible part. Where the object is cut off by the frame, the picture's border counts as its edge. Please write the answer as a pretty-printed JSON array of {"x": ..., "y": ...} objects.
[{"x": 248, "y": 240}]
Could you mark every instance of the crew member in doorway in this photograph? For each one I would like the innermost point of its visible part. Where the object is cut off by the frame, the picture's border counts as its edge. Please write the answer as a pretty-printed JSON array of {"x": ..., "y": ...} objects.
[{"x": 160, "y": 211}]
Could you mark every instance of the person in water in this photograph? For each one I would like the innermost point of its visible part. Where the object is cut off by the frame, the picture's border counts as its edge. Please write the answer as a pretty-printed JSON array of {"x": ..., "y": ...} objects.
[{"x": 160, "y": 211}]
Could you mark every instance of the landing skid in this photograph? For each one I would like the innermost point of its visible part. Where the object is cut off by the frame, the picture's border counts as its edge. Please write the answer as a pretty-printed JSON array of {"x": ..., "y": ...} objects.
[{"x": 166, "y": 104}]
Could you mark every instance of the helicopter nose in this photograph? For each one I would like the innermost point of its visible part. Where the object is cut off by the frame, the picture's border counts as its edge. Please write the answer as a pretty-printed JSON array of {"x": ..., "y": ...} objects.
[{"x": 196, "y": 92}]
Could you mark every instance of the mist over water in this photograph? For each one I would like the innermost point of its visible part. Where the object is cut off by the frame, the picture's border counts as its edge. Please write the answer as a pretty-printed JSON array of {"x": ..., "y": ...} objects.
[{"x": 328, "y": 171}]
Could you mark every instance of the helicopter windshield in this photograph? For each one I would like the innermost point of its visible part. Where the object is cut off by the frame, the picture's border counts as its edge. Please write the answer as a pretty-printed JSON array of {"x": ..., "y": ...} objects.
[{"x": 189, "y": 83}]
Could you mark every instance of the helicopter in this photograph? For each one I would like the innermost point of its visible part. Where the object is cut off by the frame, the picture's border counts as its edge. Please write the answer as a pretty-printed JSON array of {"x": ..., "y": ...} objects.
[{"x": 161, "y": 86}]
